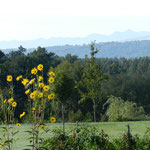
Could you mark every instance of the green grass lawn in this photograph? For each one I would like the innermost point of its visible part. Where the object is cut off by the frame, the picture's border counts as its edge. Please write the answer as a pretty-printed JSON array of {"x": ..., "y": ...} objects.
[{"x": 113, "y": 129}]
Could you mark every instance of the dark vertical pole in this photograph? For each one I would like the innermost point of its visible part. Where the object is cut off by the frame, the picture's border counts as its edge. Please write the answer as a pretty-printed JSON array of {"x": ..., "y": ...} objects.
[{"x": 63, "y": 120}]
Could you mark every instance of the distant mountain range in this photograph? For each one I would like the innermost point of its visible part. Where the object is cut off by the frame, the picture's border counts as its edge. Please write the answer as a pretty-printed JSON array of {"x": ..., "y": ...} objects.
[
  {"x": 128, "y": 35},
  {"x": 128, "y": 44},
  {"x": 132, "y": 49}
]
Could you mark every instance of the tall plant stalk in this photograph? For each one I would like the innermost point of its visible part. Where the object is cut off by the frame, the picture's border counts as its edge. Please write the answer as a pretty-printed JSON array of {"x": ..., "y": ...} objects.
[
  {"x": 8, "y": 109},
  {"x": 63, "y": 118},
  {"x": 39, "y": 95}
]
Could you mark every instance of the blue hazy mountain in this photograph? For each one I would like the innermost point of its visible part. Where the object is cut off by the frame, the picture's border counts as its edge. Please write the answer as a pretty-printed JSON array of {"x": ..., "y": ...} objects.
[
  {"x": 127, "y": 44},
  {"x": 128, "y": 35},
  {"x": 129, "y": 49}
]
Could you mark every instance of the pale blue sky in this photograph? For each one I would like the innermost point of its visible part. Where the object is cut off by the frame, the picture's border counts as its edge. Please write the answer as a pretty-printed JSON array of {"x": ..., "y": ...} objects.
[{"x": 33, "y": 19}]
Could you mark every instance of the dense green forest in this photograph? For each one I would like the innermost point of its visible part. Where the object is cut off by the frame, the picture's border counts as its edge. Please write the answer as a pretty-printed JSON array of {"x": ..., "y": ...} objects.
[{"x": 127, "y": 84}]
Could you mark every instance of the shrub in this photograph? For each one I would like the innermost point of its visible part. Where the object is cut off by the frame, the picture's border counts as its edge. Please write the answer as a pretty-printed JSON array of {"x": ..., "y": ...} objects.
[
  {"x": 79, "y": 116},
  {"x": 82, "y": 138},
  {"x": 88, "y": 117},
  {"x": 120, "y": 110}
]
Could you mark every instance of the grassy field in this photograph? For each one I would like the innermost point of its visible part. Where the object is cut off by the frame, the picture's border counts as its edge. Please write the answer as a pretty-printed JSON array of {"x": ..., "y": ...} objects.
[{"x": 113, "y": 129}]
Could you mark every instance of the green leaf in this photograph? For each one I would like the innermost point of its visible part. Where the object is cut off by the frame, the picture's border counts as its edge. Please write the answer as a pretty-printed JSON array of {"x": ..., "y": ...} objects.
[
  {"x": 15, "y": 133},
  {"x": 4, "y": 128},
  {"x": 30, "y": 138},
  {"x": 8, "y": 141},
  {"x": 29, "y": 132},
  {"x": 43, "y": 148}
]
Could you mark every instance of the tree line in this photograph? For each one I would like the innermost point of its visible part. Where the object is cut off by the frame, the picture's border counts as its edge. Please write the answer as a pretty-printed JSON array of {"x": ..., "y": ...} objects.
[{"x": 119, "y": 80}]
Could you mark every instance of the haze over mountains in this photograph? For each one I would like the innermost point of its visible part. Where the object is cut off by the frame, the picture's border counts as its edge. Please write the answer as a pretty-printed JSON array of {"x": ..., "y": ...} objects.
[
  {"x": 128, "y": 35},
  {"x": 119, "y": 44}
]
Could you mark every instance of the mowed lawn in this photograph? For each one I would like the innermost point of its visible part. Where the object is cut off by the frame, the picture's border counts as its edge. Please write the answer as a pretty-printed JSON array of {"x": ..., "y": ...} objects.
[{"x": 113, "y": 129}]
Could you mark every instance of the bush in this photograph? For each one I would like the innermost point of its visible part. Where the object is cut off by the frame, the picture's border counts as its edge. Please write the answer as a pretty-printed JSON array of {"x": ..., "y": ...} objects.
[
  {"x": 79, "y": 116},
  {"x": 88, "y": 117},
  {"x": 89, "y": 138},
  {"x": 82, "y": 138},
  {"x": 129, "y": 142},
  {"x": 120, "y": 110}
]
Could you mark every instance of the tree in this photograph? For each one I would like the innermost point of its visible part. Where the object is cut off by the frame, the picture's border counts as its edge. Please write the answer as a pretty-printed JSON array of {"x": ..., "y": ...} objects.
[
  {"x": 63, "y": 88},
  {"x": 20, "y": 52},
  {"x": 120, "y": 110},
  {"x": 21, "y": 49},
  {"x": 91, "y": 81},
  {"x": 71, "y": 58},
  {"x": 1, "y": 54},
  {"x": 2, "y": 57}
]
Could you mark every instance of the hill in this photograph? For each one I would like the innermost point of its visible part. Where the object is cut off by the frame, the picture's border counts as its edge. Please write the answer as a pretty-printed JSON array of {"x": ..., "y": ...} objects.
[
  {"x": 127, "y": 35},
  {"x": 131, "y": 49}
]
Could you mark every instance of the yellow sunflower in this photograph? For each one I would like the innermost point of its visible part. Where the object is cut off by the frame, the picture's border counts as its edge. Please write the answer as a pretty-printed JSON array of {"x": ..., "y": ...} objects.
[
  {"x": 5, "y": 101},
  {"x": 9, "y": 78},
  {"x": 14, "y": 104},
  {"x": 19, "y": 77},
  {"x": 21, "y": 115},
  {"x": 33, "y": 109},
  {"x": 41, "y": 85},
  {"x": 40, "y": 78},
  {"x": 51, "y": 96},
  {"x": 51, "y": 73},
  {"x": 25, "y": 81},
  {"x": 46, "y": 88},
  {"x": 10, "y": 100},
  {"x": 34, "y": 71},
  {"x": 32, "y": 95},
  {"x": 51, "y": 80},
  {"x": 18, "y": 124},
  {"x": 40, "y": 67},
  {"x": 42, "y": 127},
  {"x": 27, "y": 91},
  {"x": 40, "y": 95},
  {"x": 52, "y": 119},
  {"x": 31, "y": 81}
]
